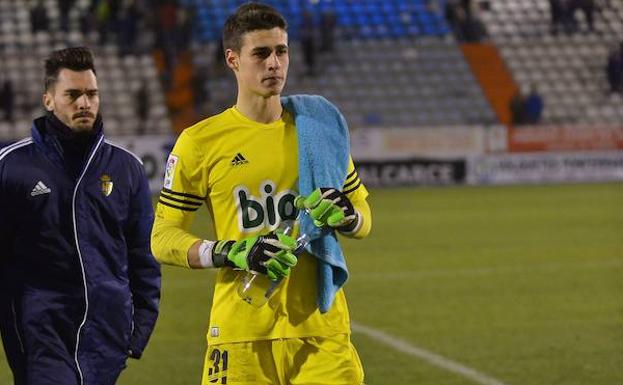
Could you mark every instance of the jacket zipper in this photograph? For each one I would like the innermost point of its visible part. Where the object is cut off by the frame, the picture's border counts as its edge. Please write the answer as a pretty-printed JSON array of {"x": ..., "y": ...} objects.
[
  {"x": 19, "y": 337},
  {"x": 84, "y": 279},
  {"x": 132, "y": 329}
]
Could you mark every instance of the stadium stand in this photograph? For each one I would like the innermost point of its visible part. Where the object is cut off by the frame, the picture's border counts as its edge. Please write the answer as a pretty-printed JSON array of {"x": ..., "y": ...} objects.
[
  {"x": 394, "y": 63},
  {"x": 21, "y": 59},
  {"x": 361, "y": 18},
  {"x": 568, "y": 69}
]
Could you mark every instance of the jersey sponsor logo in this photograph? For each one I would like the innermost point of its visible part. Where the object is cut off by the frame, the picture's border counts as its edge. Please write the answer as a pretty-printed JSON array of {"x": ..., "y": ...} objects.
[
  {"x": 239, "y": 160},
  {"x": 266, "y": 211},
  {"x": 40, "y": 189},
  {"x": 106, "y": 184},
  {"x": 169, "y": 172}
]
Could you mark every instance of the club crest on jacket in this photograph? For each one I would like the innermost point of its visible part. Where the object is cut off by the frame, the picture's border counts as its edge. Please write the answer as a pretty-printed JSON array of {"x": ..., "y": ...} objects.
[{"x": 107, "y": 185}]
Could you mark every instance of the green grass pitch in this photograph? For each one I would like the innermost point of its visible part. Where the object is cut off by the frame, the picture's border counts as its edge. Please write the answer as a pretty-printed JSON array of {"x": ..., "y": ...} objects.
[{"x": 522, "y": 283}]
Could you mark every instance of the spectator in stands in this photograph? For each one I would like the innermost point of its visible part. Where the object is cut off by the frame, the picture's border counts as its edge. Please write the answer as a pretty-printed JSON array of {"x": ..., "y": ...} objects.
[
  {"x": 327, "y": 32},
  {"x": 7, "y": 100},
  {"x": 467, "y": 6},
  {"x": 39, "y": 20},
  {"x": 308, "y": 42},
  {"x": 144, "y": 43},
  {"x": 102, "y": 17},
  {"x": 474, "y": 29},
  {"x": 88, "y": 19},
  {"x": 64, "y": 7},
  {"x": 184, "y": 27},
  {"x": 588, "y": 8},
  {"x": 142, "y": 107},
  {"x": 165, "y": 37},
  {"x": 533, "y": 106},
  {"x": 614, "y": 69},
  {"x": 464, "y": 21},
  {"x": 108, "y": 13},
  {"x": 455, "y": 16},
  {"x": 79, "y": 286},
  {"x": 115, "y": 7},
  {"x": 127, "y": 28},
  {"x": 517, "y": 107},
  {"x": 563, "y": 16},
  {"x": 556, "y": 11}
]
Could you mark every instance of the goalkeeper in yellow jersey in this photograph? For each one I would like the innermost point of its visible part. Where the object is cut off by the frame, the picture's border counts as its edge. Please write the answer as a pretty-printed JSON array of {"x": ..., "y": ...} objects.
[{"x": 255, "y": 165}]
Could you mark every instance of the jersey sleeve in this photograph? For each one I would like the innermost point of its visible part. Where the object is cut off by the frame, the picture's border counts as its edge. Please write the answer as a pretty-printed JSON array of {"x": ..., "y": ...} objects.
[
  {"x": 357, "y": 193},
  {"x": 183, "y": 192}
]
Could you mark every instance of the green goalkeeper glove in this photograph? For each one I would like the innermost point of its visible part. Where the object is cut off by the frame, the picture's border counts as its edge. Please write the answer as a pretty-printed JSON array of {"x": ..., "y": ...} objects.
[
  {"x": 269, "y": 254},
  {"x": 329, "y": 207}
]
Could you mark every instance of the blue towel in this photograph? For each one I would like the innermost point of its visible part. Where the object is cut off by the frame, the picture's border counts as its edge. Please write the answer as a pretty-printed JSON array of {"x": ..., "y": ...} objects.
[{"x": 324, "y": 150}]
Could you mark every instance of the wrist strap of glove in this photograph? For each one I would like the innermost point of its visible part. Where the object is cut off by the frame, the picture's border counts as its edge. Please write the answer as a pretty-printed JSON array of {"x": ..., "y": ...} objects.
[
  {"x": 205, "y": 254},
  {"x": 353, "y": 226},
  {"x": 219, "y": 254}
]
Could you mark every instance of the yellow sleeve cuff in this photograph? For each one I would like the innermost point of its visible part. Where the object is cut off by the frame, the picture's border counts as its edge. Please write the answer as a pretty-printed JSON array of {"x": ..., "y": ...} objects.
[
  {"x": 170, "y": 243},
  {"x": 365, "y": 220}
]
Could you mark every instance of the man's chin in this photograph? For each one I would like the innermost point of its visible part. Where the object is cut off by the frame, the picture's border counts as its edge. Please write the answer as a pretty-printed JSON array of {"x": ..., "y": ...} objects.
[
  {"x": 272, "y": 91},
  {"x": 82, "y": 126}
]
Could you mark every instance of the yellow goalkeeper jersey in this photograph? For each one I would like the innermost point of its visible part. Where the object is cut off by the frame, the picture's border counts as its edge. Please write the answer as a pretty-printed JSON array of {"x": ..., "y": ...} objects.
[{"x": 247, "y": 174}]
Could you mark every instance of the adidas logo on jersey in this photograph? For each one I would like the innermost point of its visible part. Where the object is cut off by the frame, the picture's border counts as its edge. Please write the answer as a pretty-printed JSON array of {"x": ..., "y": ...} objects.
[
  {"x": 239, "y": 160},
  {"x": 40, "y": 189}
]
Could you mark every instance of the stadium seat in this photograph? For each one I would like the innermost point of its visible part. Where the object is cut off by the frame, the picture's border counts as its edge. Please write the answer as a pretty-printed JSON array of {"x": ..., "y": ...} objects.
[{"x": 569, "y": 70}]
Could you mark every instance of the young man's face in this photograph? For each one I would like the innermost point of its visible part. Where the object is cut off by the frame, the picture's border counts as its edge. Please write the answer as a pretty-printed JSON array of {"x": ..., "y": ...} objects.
[
  {"x": 74, "y": 99},
  {"x": 261, "y": 67}
]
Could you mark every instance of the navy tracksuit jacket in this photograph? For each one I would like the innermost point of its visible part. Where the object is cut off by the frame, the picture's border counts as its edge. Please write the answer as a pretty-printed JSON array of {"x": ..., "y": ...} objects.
[{"x": 79, "y": 287}]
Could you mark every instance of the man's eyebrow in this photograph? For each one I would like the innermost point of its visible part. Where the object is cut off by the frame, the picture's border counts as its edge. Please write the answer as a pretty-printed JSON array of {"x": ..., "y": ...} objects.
[
  {"x": 258, "y": 49},
  {"x": 264, "y": 48},
  {"x": 74, "y": 90}
]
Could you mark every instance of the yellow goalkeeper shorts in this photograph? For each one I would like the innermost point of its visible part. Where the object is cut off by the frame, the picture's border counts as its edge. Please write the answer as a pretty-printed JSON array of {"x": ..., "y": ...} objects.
[{"x": 291, "y": 361}]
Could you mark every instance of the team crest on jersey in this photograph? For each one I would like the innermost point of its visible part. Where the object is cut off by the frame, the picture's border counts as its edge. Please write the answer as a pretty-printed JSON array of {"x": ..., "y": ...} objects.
[
  {"x": 169, "y": 172},
  {"x": 106, "y": 184}
]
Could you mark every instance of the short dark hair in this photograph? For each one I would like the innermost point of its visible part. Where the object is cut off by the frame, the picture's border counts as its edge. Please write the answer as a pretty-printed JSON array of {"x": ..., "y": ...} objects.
[
  {"x": 247, "y": 18},
  {"x": 74, "y": 58}
]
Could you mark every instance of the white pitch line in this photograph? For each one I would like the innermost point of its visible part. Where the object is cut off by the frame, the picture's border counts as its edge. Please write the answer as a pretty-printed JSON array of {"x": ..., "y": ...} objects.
[{"x": 425, "y": 355}]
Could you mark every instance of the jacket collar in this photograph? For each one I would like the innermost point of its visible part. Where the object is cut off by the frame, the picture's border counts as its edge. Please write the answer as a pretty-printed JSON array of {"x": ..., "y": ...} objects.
[{"x": 51, "y": 146}]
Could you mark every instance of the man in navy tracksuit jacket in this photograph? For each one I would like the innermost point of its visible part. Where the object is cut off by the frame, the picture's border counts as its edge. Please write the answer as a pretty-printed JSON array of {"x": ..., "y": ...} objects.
[{"x": 79, "y": 287}]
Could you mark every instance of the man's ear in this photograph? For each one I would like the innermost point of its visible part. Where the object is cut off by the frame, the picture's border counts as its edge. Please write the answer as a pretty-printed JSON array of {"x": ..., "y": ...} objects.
[
  {"x": 232, "y": 59},
  {"x": 48, "y": 101}
]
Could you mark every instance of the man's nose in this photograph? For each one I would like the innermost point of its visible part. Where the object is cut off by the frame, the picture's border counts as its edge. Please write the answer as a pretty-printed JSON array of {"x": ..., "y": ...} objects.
[
  {"x": 274, "y": 62},
  {"x": 84, "y": 102}
]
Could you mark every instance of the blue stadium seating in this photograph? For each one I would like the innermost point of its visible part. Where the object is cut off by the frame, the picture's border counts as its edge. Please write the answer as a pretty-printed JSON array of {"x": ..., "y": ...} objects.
[{"x": 367, "y": 19}]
